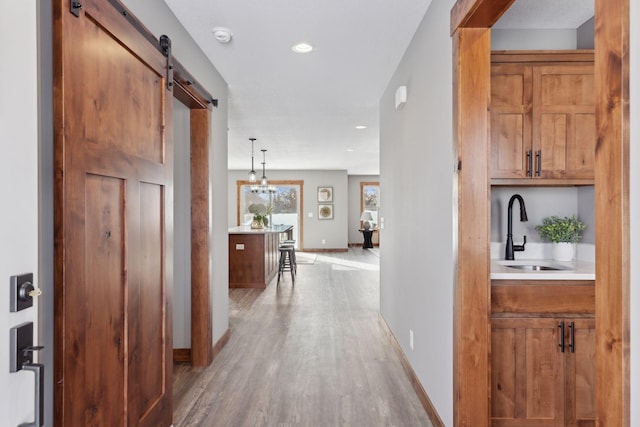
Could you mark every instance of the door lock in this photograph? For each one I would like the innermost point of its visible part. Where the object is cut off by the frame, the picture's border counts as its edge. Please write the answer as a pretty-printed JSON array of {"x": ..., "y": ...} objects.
[{"x": 23, "y": 291}]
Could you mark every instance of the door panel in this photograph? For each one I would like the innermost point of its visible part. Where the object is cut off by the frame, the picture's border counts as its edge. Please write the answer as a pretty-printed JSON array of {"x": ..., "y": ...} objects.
[
  {"x": 113, "y": 158},
  {"x": 564, "y": 113},
  {"x": 101, "y": 319},
  {"x": 148, "y": 371},
  {"x": 526, "y": 370},
  {"x": 581, "y": 381},
  {"x": 510, "y": 120}
]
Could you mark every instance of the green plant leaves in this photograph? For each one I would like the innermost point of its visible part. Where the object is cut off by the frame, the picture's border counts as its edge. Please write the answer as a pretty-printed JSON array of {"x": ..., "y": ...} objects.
[{"x": 556, "y": 229}]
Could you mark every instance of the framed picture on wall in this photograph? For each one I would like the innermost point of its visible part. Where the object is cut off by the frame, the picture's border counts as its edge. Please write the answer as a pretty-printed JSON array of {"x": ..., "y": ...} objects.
[
  {"x": 325, "y": 211},
  {"x": 325, "y": 194}
]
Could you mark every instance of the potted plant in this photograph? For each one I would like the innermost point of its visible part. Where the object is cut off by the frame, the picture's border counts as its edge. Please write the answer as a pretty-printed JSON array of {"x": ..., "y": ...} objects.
[
  {"x": 564, "y": 233},
  {"x": 260, "y": 215}
]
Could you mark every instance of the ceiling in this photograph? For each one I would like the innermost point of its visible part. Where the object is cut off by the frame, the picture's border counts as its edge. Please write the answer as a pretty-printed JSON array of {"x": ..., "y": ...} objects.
[{"x": 304, "y": 108}]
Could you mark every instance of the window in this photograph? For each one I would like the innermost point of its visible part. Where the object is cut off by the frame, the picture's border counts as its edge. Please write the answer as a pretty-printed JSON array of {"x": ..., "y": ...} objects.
[
  {"x": 286, "y": 203},
  {"x": 370, "y": 199}
]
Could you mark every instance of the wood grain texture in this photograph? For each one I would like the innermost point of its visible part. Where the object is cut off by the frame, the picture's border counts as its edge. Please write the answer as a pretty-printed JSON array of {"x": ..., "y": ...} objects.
[
  {"x": 477, "y": 13},
  {"x": 471, "y": 94},
  {"x": 256, "y": 264},
  {"x": 542, "y": 118},
  {"x": 534, "y": 382},
  {"x": 542, "y": 57},
  {"x": 201, "y": 323},
  {"x": 113, "y": 221},
  {"x": 310, "y": 355},
  {"x": 182, "y": 355},
  {"x": 580, "y": 385},
  {"x": 612, "y": 212},
  {"x": 527, "y": 374},
  {"x": 542, "y": 297}
]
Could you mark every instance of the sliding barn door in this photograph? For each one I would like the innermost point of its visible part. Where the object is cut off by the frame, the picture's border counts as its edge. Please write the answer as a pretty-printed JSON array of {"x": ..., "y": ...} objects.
[{"x": 113, "y": 220}]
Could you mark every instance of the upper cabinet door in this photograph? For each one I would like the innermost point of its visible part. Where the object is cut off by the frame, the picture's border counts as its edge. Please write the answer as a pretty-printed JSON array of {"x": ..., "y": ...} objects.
[
  {"x": 564, "y": 121},
  {"x": 511, "y": 98},
  {"x": 542, "y": 116}
]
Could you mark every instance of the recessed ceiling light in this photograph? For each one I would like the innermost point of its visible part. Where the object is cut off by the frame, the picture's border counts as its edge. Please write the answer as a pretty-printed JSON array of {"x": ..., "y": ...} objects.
[
  {"x": 302, "y": 47},
  {"x": 222, "y": 34},
  {"x": 361, "y": 127},
  {"x": 350, "y": 150}
]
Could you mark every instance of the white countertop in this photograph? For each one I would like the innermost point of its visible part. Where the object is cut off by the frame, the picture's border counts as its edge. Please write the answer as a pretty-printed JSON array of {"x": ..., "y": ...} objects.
[
  {"x": 246, "y": 229},
  {"x": 575, "y": 270}
]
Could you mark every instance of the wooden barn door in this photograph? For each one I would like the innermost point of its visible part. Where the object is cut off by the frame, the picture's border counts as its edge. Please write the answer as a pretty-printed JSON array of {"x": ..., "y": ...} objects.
[{"x": 113, "y": 220}]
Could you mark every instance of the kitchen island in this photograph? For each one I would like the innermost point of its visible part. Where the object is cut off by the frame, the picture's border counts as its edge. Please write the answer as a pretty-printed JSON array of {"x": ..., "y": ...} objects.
[{"x": 253, "y": 255}]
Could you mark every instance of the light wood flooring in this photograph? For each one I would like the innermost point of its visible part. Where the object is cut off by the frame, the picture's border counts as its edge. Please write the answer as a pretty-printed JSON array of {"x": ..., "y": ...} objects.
[{"x": 313, "y": 354}]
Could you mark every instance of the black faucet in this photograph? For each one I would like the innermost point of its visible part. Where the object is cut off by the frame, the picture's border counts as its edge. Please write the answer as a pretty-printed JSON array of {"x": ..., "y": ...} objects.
[{"x": 523, "y": 217}]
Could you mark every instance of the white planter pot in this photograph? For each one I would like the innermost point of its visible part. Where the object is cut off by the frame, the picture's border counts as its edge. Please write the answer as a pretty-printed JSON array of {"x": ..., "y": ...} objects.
[{"x": 564, "y": 251}]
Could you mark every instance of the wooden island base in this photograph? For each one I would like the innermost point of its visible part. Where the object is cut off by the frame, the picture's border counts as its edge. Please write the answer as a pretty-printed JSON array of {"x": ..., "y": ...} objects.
[{"x": 253, "y": 255}]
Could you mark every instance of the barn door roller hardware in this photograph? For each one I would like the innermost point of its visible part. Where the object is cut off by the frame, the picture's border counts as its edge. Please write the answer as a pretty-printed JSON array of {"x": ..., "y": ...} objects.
[
  {"x": 165, "y": 46},
  {"x": 75, "y": 7}
]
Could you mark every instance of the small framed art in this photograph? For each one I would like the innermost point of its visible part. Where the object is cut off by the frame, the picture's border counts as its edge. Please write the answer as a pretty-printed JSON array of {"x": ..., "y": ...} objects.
[
  {"x": 325, "y": 194},
  {"x": 325, "y": 211}
]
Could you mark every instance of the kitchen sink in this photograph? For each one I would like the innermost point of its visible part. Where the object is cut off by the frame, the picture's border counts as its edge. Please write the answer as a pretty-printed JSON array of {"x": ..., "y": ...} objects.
[{"x": 537, "y": 267}]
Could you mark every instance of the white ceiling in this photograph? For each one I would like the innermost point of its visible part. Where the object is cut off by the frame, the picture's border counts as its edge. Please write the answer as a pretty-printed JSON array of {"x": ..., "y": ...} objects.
[{"x": 304, "y": 108}]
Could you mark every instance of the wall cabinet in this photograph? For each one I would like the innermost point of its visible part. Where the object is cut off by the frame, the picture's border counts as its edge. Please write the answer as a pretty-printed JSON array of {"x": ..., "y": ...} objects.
[
  {"x": 542, "y": 118},
  {"x": 542, "y": 371}
]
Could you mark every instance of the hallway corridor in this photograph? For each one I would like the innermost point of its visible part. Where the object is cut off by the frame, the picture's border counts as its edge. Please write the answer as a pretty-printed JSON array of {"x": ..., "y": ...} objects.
[{"x": 309, "y": 355}]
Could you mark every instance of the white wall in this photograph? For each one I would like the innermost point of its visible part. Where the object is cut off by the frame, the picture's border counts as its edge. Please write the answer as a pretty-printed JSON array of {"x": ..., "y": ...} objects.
[
  {"x": 159, "y": 19},
  {"x": 585, "y": 35},
  {"x": 634, "y": 302},
  {"x": 19, "y": 190},
  {"x": 416, "y": 257},
  {"x": 354, "y": 205},
  {"x": 540, "y": 202},
  {"x": 502, "y": 39},
  {"x": 181, "y": 226},
  {"x": 334, "y": 232}
]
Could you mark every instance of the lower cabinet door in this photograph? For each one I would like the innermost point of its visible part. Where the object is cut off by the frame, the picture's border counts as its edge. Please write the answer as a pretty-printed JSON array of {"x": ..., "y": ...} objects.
[
  {"x": 580, "y": 373},
  {"x": 527, "y": 372}
]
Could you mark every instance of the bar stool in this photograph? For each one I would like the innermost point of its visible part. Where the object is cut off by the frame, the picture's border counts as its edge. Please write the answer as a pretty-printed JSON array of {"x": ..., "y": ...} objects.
[
  {"x": 292, "y": 243},
  {"x": 286, "y": 262}
]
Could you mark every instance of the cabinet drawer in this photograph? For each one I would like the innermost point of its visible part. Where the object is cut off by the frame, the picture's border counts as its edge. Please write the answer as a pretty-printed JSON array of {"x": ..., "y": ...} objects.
[{"x": 543, "y": 297}]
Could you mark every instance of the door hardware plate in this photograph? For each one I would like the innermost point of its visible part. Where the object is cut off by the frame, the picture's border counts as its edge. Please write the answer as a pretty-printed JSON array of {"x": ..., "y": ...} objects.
[
  {"x": 19, "y": 298},
  {"x": 21, "y": 339}
]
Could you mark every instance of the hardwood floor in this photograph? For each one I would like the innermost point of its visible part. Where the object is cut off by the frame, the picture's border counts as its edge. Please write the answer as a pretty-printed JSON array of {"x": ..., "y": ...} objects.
[{"x": 309, "y": 355}]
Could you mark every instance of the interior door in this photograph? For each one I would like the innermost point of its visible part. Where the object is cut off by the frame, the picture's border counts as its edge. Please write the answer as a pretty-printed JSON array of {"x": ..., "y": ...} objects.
[{"x": 113, "y": 220}]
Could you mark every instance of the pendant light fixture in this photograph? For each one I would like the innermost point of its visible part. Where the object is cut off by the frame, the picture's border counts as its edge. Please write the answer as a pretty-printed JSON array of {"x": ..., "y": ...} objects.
[
  {"x": 264, "y": 186},
  {"x": 252, "y": 174},
  {"x": 263, "y": 182}
]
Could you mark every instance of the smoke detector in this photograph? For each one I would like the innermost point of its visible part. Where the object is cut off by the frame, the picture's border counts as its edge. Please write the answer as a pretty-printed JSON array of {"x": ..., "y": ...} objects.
[{"x": 222, "y": 34}]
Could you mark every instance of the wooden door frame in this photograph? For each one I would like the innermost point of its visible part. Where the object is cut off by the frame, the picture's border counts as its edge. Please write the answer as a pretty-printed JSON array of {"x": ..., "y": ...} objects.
[
  {"x": 199, "y": 102},
  {"x": 470, "y": 28}
]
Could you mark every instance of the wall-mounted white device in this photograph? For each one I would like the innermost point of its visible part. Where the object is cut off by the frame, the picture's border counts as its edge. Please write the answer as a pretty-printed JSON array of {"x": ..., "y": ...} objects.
[{"x": 401, "y": 96}]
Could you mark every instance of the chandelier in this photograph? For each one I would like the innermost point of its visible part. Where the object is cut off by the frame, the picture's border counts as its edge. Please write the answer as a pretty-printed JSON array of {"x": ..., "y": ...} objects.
[{"x": 264, "y": 186}]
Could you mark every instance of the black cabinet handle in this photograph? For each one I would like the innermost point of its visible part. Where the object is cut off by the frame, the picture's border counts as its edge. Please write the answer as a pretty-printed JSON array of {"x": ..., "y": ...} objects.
[
  {"x": 538, "y": 162},
  {"x": 572, "y": 343},
  {"x": 561, "y": 344},
  {"x": 529, "y": 163}
]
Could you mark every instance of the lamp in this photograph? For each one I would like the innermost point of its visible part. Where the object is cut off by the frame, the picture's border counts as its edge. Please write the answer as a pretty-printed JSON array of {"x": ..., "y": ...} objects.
[
  {"x": 252, "y": 174},
  {"x": 263, "y": 182},
  {"x": 366, "y": 218},
  {"x": 264, "y": 186}
]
